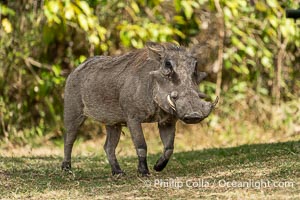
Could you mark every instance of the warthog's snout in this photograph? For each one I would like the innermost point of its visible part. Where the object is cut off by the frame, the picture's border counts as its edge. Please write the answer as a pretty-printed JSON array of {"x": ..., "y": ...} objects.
[
  {"x": 196, "y": 117},
  {"x": 197, "y": 112},
  {"x": 193, "y": 118}
]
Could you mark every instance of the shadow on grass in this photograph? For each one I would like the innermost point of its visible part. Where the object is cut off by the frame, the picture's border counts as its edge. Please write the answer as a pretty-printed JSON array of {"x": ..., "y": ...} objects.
[{"x": 31, "y": 175}]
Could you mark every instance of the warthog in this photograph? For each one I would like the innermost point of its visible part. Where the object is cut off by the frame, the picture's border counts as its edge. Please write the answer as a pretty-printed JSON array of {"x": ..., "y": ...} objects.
[{"x": 156, "y": 84}]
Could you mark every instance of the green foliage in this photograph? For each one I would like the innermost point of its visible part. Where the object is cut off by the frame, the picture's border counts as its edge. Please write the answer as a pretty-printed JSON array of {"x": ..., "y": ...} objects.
[
  {"x": 256, "y": 34},
  {"x": 41, "y": 43},
  {"x": 64, "y": 15}
]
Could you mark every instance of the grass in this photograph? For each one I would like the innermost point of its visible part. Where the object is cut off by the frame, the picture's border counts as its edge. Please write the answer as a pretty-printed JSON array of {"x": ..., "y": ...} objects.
[{"x": 40, "y": 177}]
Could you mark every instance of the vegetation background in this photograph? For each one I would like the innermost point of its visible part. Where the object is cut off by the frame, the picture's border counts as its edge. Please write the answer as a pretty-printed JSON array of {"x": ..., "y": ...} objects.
[{"x": 256, "y": 71}]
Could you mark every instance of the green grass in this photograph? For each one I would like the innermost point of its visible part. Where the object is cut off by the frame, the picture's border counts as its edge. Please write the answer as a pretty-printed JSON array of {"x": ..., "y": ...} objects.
[{"x": 40, "y": 177}]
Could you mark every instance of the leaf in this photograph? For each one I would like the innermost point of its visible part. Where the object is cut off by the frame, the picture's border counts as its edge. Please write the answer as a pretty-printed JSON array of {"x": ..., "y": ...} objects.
[
  {"x": 244, "y": 69},
  {"x": 239, "y": 86},
  {"x": 271, "y": 32},
  {"x": 227, "y": 12},
  {"x": 124, "y": 37},
  {"x": 237, "y": 57},
  {"x": 237, "y": 42},
  {"x": 265, "y": 61},
  {"x": 135, "y": 7},
  {"x": 83, "y": 22},
  {"x": 101, "y": 32},
  {"x": 187, "y": 9},
  {"x": 54, "y": 6},
  {"x": 6, "y": 25},
  {"x": 69, "y": 12},
  {"x": 56, "y": 70},
  {"x": 94, "y": 39},
  {"x": 227, "y": 64},
  {"x": 85, "y": 7},
  {"x": 82, "y": 58},
  {"x": 261, "y": 6},
  {"x": 104, "y": 47},
  {"x": 273, "y": 20},
  {"x": 51, "y": 11},
  {"x": 263, "y": 91},
  {"x": 251, "y": 62},
  {"x": 179, "y": 20},
  {"x": 4, "y": 10},
  {"x": 91, "y": 22},
  {"x": 250, "y": 51},
  {"x": 272, "y": 3},
  {"x": 177, "y": 5},
  {"x": 179, "y": 33},
  {"x": 288, "y": 29}
]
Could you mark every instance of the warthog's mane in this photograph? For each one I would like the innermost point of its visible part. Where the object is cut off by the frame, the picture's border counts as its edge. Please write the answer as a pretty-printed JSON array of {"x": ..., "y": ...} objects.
[{"x": 168, "y": 46}]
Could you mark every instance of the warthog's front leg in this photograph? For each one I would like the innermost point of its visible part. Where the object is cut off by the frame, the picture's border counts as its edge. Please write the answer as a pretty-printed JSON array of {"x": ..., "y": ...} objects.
[
  {"x": 140, "y": 145},
  {"x": 113, "y": 134},
  {"x": 167, "y": 135}
]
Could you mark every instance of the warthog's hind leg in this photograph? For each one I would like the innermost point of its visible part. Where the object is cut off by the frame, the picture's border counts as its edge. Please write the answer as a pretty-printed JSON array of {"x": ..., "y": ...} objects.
[
  {"x": 112, "y": 139},
  {"x": 73, "y": 118},
  {"x": 167, "y": 135},
  {"x": 69, "y": 139}
]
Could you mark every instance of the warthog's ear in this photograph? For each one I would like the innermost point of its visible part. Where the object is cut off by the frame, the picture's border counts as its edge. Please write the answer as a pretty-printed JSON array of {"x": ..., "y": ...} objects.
[
  {"x": 155, "y": 50},
  {"x": 206, "y": 53},
  {"x": 200, "y": 77}
]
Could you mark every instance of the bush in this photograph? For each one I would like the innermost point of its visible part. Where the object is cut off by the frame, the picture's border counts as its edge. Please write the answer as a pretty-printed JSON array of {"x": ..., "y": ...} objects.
[{"x": 41, "y": 43}]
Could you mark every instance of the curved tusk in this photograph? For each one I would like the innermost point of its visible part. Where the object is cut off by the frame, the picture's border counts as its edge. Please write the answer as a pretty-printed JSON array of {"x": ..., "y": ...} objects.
[
  {"x": 215, "y": 102},
  {"x": 171, "y": 102}
]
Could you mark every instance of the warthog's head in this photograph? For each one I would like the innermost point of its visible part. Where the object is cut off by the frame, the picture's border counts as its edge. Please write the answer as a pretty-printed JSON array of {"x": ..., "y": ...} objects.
[{"x": 176, "y": 83}]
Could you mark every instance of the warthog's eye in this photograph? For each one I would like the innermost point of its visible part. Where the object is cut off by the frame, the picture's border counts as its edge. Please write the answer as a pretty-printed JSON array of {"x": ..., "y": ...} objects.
[
  {"x": 168, "y": 68},
  {"x": 168, "y": 64}
]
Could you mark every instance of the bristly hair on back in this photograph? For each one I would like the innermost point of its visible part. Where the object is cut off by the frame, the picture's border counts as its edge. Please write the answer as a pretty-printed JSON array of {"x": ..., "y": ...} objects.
[
  {"x": 172, "y": 46},
  {"x": 168, "y": 46}
]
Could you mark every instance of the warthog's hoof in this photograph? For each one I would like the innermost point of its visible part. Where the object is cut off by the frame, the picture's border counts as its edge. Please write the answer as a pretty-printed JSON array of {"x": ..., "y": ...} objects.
[
  {"x": 160, "y": 164},
  {"x": 66, "y": 166},
  {"x": 144, "y": 173},
  {"x": 118, "y": 174}
]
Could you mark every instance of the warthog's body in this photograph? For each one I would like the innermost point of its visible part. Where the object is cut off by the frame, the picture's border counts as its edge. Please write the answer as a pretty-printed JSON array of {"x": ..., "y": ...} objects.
[{"x": 155, "y": 84}]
